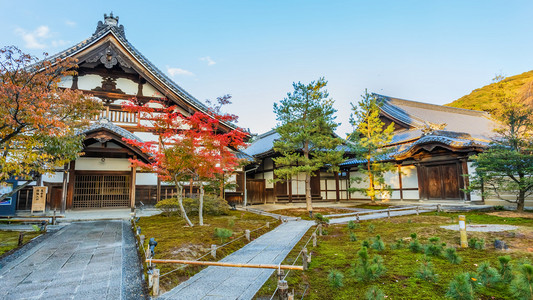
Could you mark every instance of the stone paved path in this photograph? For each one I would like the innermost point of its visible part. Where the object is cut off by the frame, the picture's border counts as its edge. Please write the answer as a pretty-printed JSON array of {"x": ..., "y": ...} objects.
[
  {"x": 81, "y": 261},
  {"x": 243, "y": 283},
  {"x": 378, "y": 215}
]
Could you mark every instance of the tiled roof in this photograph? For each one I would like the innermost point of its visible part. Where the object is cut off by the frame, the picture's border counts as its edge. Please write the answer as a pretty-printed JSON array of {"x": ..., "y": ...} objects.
[
  {"x": 104, "y": 123},
  {"x": 118, "y": 33}
]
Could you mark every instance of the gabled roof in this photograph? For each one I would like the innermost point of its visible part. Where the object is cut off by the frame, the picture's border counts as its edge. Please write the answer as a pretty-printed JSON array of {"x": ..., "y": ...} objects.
[
  {"x": 109, "y": 27},
  {"x": 104, "y": 123},
  {"x": 417, "y": 116}
]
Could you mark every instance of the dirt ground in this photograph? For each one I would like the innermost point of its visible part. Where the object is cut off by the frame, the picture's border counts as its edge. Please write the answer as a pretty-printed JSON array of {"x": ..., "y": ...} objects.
[{"x": 512, "y": 214}]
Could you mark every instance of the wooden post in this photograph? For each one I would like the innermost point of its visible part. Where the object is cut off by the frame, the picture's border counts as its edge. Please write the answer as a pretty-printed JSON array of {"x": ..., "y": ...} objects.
[
  {"x": 132, "y": 187},
  {"x": 64, "y": 191},
  {"x": 155, "y": 280},
  {"x": 304, "y": 258},
  {"x": 418, "y": 210},
  {"x": 388, "y": 212},
  {"x": 337, "y": 188},
  {"x": 439, "y": 209},
  {"x": 21, "y": 238},
  {"x": 141, "y": 239},
  {"x": 54, "y": 218},
  {"x": 283, "y": 289},
  {"x": 357, "y": 217},
  {"x": 320, "y": 229},
  {"x": 462, "y": 229},
  {"x": 314, "y": 239},
  {"x": 214, "y": 251},
  {"x": 70, "y": 186},
  {"x": 268, "y": 225},
  {"x": 400, "y": 182},
  {"x": 138, "y": 230},
  {"x": 158, "y": 190},
  {"x": 247, "y": 234}
]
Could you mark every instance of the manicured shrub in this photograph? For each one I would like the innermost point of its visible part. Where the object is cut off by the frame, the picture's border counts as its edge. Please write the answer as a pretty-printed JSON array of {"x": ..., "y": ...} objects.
[
  {"x": 462, "y": 287},
  {"x": 505, "y": 270},
  {"x": 522, "y": 285},
  {"x": 451, "y": 255},
  {"x": 223, "y": 234},
  {"x": 320, "y": 219},
  {"x": 213, "y": 206},
  {"x": 335, "y": 278},
  {"x": 374, "y": 293},
  {"x": 168, "y": 206},
  {"x": 377, "y": 244},
  {"x": 367, "y": 268},
  {"x": 487, "y": 275},
  {"x": 353, "y": 237},
  {"x": 426, "y": 271}
]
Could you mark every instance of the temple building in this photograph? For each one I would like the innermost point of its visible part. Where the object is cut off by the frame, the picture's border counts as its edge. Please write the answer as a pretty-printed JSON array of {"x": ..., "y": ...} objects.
[{"x": 113, "y": 71}]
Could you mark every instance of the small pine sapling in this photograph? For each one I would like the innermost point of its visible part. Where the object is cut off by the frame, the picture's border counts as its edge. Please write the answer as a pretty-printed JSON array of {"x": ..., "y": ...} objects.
[
  {"x": 365, "y": 244},
  {"x": 522, "y": 285},
  {"x": 451, "y": 255},
  {"x": 351, "y": 225},
  {"x": 377, "y": 243},
  {"x": 223, "y": 234},
  {"x": 426, "y": 271},
  {"x": 366, "y": 268},
  {"x": 434, "y": 248},
  {"x": 462, "y": 287},
  {"x": 371, "y": 228},
  {"x": 415, "y": 246},
  {"x": 399, "y": 244},
  {"x": 335, "y": 278},
  {"x": 374, "y": 293},
  {"x": 478, "y": 244},
  {"x": 413, "y": 236},
  {"x": 487, "y": 275},
  {"x": 320, "y": 219},
  {"x": 353, "y": 237},
  {"x": 505, "y": 270}
]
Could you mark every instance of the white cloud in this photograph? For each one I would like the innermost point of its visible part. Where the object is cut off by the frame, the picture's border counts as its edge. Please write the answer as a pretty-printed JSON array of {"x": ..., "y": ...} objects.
[
  {"x": 177, "y": 71},
  {"x": 208, "y": 59},
  {"x": 36, "y": 38},
  {"x": 70, "y": 23},
  {"x": 60, "y": 43}
]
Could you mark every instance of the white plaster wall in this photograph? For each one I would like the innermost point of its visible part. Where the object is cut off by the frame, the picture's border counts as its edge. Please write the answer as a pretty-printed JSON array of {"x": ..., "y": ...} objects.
[
  {"x": 231, "y": 180},
  {"x": 392, "y": 179},
  {"x": 147, "y": 136},
  {"x": 268, "y": 176},
  {"x": 89, "y": 82},
  {"x": 66, "y": 82},
  {"x": 475, "y": 195},
  {"x": 150, "y": 91},
  {"x": 53, "y": 177},
  {"x": 128, "y": 86},
  {"x": 146, "y": 179},
  {"x": 409, "y": 177},
  {"x": 96, "y": 164}
]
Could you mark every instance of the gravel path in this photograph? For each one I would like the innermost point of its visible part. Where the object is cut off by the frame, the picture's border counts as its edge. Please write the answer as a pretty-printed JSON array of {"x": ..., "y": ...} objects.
[
  {"x": 81, "y": 261},
  {"x": 380, "y": 215},
  {"x": 243, "y": 283}
]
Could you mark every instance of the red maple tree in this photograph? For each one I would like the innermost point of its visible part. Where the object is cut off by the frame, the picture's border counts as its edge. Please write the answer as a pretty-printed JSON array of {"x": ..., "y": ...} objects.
[{"x": 190, "y": 148}]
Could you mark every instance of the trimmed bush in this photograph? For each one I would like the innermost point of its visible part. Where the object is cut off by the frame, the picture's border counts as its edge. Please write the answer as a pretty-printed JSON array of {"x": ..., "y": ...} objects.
[
  {"x": 168, "y": 206},
  {"x": 213, "y": 206},
  {"x": 451, "y": 255},
  {"x": 335, "y": 278}
]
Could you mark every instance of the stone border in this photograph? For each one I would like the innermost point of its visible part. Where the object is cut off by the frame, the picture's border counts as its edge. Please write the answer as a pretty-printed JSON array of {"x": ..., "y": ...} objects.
[{"x": 133, "y": 285}]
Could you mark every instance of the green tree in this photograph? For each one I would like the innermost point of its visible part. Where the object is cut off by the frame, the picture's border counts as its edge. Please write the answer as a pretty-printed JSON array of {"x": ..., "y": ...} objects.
[
  {"x": 506, "y": 167},
  {"x": 368, "y": 141},
  {"x": 307, "y": 140}
]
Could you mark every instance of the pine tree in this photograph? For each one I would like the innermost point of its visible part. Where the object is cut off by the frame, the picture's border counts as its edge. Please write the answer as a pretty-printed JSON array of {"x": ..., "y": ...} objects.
[
  {"x": 307, "y": 140},
  {"x": 522, "y": 285},
  {"x": 369, "y": 138}
]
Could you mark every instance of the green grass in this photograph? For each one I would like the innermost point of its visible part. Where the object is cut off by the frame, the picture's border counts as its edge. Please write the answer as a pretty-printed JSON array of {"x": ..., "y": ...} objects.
[
  {"x": 9, "y": 239},
  {"x": 178, "y": 241},
  {"x": 335, "y": 251}
]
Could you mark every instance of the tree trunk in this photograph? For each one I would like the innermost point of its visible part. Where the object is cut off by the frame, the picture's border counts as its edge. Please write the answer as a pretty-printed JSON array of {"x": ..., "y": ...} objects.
[
  {"x": 371, "y": 190},
  {"x": 308, "y": 199},
  {"x": 18, "y": 188},
  {"x": 521, "y": 201},
  {"x": 180, "y": 200},
  {"x": 201, "y": 208}
]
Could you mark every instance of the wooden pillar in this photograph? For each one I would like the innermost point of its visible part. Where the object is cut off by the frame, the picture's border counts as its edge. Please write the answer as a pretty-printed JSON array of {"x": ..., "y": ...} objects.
[
  {"x": 64, "y": 190},
  {"x": 158, "y": 191},
  {"x": 337, "y": 188},
  {"x": 421, "y": 174},
  {"x": 289, "y": 186},
  {"x": 132, "y": 185},
  {"x": 466, "y": 181},
  {"x": 70, "y": 188},
  {"x": 190, "y": 188},
  {"x": 400, "y": 182}
]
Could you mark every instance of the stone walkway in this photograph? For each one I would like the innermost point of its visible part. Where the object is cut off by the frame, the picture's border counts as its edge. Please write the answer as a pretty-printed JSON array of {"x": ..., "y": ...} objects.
[
  {"x": 81, "y": 261},
  {"x": 243, "y": 283},
  {"x": 378, "y": 215}
]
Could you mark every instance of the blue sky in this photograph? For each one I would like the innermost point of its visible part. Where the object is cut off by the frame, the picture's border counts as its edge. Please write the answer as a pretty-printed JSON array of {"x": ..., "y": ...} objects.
[{"x": 429, "y": 51}]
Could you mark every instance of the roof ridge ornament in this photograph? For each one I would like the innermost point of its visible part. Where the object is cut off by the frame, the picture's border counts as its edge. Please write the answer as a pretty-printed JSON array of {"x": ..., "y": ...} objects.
[
  {"x": 109, "y": 22},
  {"x": 430, "y": 128}
]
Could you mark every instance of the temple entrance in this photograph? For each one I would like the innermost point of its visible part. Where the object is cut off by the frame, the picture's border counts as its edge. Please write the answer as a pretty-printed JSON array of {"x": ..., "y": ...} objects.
[
  {"x": 442, "y": 182},
  {"x": 101, "y": 190}
]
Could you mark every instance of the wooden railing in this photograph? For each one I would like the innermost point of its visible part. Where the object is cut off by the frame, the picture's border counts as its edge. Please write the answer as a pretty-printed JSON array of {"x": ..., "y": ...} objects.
[{"x": 119, "y": 116}]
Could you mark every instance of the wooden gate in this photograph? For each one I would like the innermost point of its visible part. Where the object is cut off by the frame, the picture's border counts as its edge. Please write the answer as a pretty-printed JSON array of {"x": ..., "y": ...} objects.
[
  {"x": 96, "y": 190},
  {"x": 442, "y": 182},
  {"x": 256, "y": 191}
]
